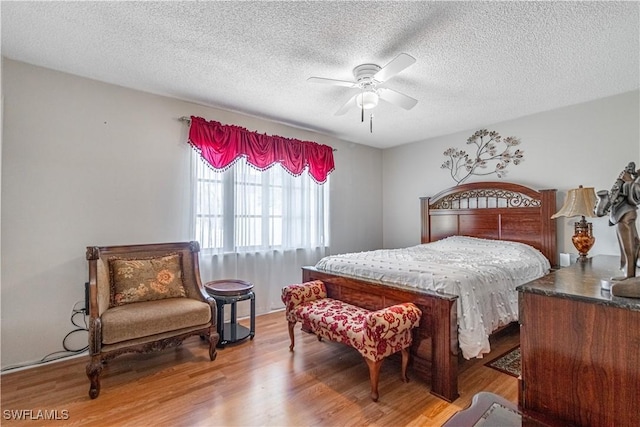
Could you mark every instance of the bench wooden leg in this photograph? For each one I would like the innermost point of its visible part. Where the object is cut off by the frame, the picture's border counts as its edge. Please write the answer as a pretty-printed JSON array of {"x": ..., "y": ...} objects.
[
  {"x": 405, "y": 363},
  {"x": 291, "y": 325},
  {"x": 374, "y": 375}
]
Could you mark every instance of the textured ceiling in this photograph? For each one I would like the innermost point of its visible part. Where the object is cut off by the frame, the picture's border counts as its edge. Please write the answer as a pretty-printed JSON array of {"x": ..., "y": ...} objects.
[{"x": 478, "y": 63}]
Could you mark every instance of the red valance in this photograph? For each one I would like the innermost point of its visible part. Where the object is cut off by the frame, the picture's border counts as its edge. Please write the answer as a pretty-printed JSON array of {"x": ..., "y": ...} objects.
[{"x": 221, "y": 145}]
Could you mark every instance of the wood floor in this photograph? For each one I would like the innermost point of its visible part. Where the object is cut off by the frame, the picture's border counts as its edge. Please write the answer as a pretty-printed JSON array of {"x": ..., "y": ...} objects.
[{"x": 253, "y": 383}]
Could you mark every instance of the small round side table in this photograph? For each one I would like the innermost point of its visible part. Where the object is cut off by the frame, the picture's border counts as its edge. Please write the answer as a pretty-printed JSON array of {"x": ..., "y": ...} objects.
[{"x": 230, "y": 291}]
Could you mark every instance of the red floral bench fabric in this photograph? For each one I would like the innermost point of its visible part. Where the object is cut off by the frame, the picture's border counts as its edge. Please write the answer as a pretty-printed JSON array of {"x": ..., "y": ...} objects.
[{"x": 375, "y": 334}]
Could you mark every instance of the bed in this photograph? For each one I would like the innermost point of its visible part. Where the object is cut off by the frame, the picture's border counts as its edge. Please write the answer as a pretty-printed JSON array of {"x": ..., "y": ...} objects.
[{"x": 491, "y": 211}]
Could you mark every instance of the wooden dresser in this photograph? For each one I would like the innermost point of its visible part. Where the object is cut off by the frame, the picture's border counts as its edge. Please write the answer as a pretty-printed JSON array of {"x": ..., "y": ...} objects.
[{"x": 580, "y": 347}]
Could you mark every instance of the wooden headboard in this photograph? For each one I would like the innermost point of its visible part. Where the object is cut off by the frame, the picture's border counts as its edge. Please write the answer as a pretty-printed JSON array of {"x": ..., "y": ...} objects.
[{"x": 493, "y": 210}]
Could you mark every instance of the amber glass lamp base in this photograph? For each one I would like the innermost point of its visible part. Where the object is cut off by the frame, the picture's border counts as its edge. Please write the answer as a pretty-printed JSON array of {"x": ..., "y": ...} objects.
[{"x": 583, "y": 240}]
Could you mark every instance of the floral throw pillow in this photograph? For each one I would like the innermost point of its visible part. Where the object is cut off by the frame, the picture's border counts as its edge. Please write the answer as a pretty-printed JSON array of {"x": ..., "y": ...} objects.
[{"x": 146, "y": 279}]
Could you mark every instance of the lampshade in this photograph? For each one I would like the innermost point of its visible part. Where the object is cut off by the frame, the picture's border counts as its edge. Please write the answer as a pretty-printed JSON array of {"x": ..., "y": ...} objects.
[
  {"x": 579, "y": 202},
  {"x": 369, "y": 98}
]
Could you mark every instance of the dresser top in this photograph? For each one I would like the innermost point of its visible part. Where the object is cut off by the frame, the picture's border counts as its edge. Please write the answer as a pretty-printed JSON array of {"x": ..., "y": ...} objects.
[{"x": 582, "y": 282}]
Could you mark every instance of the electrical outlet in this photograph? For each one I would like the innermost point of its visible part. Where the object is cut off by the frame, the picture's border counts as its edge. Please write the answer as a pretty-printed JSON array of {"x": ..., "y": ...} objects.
[{"x": 565, "y": 260}]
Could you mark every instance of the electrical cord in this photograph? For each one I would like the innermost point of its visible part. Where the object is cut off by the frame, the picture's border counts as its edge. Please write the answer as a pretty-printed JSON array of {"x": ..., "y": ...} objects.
[{"x": 67, "y": 352}]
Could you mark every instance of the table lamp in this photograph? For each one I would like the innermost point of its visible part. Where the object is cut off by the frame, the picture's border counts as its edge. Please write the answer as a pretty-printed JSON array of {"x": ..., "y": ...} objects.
[{"x": 580, "y": 202}]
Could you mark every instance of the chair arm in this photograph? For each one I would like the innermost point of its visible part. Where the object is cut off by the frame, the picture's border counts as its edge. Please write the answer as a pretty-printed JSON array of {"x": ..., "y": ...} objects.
[
  {"x": 95, "y": 335},
  {"x": 214, "y": 310},
  {"x": 202, "y": 294},
  {"x": 294, "y": 295},
  {"x": 388, "y": 321}
]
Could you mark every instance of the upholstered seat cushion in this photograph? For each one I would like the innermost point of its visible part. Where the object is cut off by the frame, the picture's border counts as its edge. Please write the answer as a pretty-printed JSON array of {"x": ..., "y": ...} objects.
[
  {"x": 375, "y": 334},
  {"x": 142, "y": 319},
  {"x": 345, "y": 321}
]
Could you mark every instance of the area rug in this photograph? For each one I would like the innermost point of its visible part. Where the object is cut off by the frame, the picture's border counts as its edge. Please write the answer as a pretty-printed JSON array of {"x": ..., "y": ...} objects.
[{"x": 508, "y": 363}]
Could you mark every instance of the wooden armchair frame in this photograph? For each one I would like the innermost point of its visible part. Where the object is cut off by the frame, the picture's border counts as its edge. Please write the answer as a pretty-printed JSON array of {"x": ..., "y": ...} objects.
[{"x": 99, "y": 303}]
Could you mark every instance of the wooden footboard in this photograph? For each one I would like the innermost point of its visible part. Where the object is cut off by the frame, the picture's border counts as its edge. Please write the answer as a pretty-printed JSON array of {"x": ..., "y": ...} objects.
[
  {"x": 435, "y": 346},
  {"x": 488, "y": 210}
]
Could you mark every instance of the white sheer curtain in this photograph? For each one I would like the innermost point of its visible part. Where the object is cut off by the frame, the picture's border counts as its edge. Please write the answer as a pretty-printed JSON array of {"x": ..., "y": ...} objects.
[{"x": 259, "y": 226}]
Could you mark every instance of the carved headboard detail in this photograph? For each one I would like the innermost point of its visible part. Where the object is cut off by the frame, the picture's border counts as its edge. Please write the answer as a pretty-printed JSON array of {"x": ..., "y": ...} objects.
[{"x": 492, "y": 210}]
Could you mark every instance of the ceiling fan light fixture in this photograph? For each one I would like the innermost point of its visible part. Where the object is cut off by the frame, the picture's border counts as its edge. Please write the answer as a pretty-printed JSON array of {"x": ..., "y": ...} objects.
[
  {"x": 367, "y": 100},
  {"x": 367, "y": 78}
]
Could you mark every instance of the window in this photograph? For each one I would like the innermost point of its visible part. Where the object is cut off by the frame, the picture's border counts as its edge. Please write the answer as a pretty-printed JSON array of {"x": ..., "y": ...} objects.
[{"x": 243, "y": 209}]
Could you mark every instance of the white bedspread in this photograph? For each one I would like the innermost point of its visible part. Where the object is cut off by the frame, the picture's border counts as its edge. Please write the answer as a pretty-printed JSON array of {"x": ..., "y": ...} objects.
[{"x": 482, "y": 273}]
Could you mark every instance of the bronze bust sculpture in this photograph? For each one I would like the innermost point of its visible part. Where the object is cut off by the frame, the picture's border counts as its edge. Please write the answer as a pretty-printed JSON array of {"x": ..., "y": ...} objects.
[{"x": 622, "y": 205}]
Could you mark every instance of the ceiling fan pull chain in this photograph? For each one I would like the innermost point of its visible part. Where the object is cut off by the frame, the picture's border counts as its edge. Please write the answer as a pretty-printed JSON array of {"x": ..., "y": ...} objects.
[
  {"x": 371, "y": 123},
  {"x": 362, "y": 114}
]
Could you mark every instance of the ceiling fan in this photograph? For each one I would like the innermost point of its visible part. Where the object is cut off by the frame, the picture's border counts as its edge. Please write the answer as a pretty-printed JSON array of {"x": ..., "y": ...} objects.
[{"x": 369, "y": 79}]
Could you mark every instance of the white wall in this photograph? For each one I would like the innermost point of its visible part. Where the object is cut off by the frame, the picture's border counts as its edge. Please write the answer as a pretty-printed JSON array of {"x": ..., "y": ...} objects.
[
  {"x": 586, "y": 144},
  {"x": 86, "y": 163}
]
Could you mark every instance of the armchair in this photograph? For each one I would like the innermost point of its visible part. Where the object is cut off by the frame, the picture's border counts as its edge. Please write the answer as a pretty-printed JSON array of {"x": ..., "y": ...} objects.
[{"x": 144, "y": 298}]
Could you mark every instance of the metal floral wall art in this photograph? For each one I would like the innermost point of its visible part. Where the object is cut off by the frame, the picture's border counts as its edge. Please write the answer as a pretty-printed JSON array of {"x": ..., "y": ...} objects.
[{"x": 462, "y": 164}]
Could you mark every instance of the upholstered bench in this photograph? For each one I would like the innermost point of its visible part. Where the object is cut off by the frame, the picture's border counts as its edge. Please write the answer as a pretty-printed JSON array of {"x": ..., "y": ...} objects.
[{"x": 375, "y": 334}]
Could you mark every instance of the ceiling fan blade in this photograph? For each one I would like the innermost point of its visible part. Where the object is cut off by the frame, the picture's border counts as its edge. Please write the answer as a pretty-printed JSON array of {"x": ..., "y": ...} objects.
[
  {"x": 397, "y": 98},
  {"x": 332, "y": 82},
  {"x": 347, "y": 105},
  {"x": 396, "y": 65}
]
